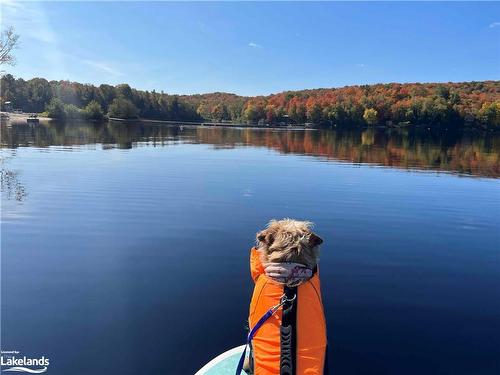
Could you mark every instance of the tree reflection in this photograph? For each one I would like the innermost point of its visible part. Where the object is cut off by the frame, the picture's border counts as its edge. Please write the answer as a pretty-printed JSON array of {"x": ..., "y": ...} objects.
[
  {"x": 11, "y": 187},
  {"x": 469, "y": 152}
]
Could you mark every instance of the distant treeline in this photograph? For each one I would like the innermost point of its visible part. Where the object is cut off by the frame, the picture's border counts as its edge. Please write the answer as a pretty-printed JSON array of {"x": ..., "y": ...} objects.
[{"x": 431, "y": 104}]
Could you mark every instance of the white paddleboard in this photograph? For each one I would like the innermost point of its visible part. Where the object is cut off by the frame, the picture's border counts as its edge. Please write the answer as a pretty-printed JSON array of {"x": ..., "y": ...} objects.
[{"x": 223, "y": 364}]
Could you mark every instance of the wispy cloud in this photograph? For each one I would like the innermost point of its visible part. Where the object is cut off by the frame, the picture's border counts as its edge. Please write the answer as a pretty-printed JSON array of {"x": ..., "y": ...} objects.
[
  {"x": 13, "y": 4},
  {"x": 29, "y": 20},
  {"x": 254, "y": 45},
  {"x": 361, "y": 65},
  {"x": 102, "y": 66},
  {"x": 46, "y": 36},
  {"x": 494, "y": 24},
  {"x": 32, "y": 24}
]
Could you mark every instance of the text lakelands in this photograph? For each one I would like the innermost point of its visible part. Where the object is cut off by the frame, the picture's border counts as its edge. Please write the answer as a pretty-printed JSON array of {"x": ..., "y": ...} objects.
[{"x": 24, "y": 361}]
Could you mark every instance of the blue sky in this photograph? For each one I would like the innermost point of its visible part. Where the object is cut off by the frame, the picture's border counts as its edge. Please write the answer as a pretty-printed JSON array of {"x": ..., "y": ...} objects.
[{"x": 254, "y": 48}]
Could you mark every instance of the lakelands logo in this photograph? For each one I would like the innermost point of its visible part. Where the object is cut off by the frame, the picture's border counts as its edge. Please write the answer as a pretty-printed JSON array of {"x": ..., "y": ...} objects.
[{"x": 12, "y": 361}]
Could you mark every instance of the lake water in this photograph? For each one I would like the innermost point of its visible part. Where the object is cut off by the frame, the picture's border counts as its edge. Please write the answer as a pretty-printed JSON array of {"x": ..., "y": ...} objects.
[{"x": 125, "y": 247}]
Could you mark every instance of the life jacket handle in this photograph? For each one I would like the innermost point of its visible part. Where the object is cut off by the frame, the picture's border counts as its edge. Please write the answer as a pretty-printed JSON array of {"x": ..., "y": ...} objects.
[{"x": 259, "y": 323}]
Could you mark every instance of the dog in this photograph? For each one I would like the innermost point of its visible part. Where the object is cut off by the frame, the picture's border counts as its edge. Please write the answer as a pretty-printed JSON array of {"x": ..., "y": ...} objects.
[
  {"x": 284, "y": 267},
  {"x": 289, "y": 241}
]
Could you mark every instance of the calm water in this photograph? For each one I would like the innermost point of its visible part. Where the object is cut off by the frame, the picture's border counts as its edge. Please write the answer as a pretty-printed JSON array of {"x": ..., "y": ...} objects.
[{"x": 125, "y": 247}]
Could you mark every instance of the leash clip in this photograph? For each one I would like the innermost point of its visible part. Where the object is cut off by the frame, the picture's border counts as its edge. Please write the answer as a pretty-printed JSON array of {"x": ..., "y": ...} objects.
[{"x": 283, "y": 300}]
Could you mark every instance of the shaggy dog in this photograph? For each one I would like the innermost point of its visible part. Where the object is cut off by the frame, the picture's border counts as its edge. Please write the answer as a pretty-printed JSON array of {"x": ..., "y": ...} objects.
[
  {"x": 289, "y": 241},
  {"x": 284, "y": 262}
]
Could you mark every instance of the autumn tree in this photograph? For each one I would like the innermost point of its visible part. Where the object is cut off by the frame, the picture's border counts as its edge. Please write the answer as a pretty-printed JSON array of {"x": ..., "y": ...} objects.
[
  {"x": 490, "y": 114},
  {"x": 370, "y": 116},
  {"x": 271, "y": 115},
  {"x": 219, "y": 113},
  {"x": 253, "y": 112},
  {"x": 314, "y": 113}
]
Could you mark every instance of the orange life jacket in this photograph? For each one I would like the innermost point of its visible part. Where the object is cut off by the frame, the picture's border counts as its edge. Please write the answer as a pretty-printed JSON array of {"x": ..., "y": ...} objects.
[{"x": 310, "y": 325}]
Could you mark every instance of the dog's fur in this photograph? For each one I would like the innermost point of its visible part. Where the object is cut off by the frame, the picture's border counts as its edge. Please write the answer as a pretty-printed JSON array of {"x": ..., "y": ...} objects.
[{"x": 289, "y": 240}]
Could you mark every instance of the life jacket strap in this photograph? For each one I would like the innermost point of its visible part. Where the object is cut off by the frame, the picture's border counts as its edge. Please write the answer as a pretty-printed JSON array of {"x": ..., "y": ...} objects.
[{"x": 288, "y": 332}]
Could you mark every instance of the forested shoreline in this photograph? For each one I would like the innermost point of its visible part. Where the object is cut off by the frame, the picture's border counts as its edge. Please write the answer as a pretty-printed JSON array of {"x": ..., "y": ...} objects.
[{"x": 394, "y": 104}]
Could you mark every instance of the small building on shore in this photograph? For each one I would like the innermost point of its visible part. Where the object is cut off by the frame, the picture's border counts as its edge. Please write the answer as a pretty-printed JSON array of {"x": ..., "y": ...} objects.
[{"x": 7, "y": 106}]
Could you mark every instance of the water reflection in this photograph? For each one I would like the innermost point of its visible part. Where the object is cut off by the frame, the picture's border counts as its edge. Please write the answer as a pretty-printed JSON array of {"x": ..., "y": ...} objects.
[
  {"x": 10, "y": 186},
  {"x": 469, "y": 152}
]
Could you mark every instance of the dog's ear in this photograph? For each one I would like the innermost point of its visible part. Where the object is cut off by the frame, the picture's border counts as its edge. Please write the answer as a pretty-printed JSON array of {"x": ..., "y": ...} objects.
[
  {"x": 266, "y": 236},
  {"x": 314, "y": 240}
]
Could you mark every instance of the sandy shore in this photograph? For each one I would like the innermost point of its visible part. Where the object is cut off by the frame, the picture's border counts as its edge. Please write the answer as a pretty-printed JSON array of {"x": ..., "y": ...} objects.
[{"x": 22, "y": 116}]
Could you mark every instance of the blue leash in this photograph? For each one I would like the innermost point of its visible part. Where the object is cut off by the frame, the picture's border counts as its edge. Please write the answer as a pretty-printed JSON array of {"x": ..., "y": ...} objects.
[{"x": 259, "y": 324}]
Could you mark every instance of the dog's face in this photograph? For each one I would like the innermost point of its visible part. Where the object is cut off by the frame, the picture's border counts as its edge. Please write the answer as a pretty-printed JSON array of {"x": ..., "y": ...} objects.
[{"x": 289, "y": 240}]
